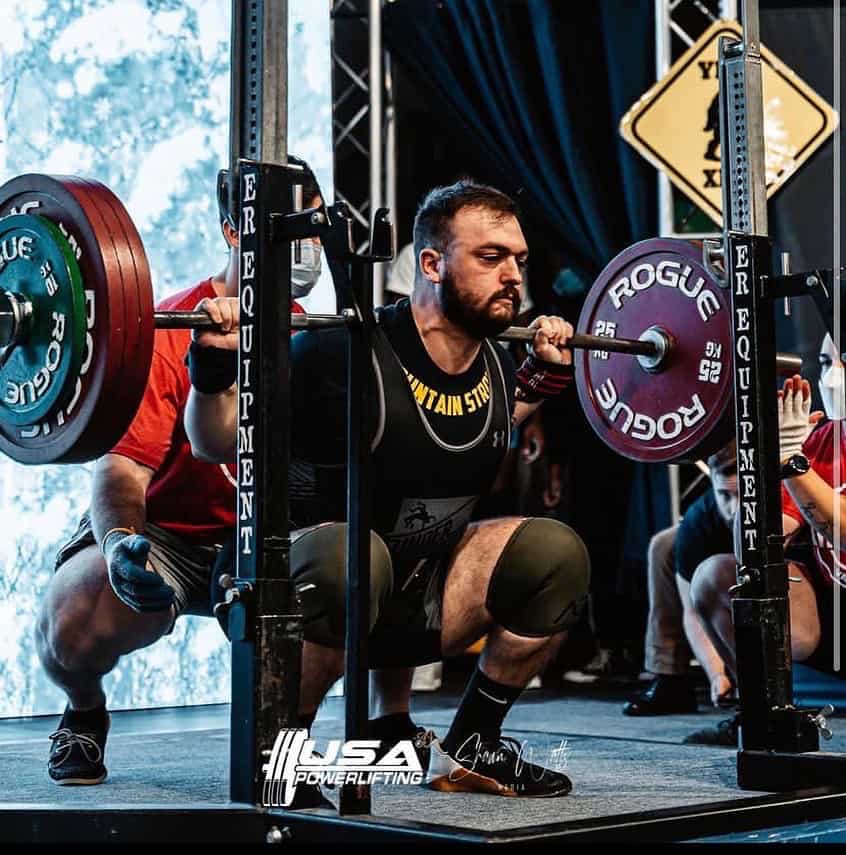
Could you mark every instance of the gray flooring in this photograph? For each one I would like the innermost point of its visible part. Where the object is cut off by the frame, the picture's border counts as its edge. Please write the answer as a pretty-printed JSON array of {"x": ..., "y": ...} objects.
[{"x": 618, "y": 765}]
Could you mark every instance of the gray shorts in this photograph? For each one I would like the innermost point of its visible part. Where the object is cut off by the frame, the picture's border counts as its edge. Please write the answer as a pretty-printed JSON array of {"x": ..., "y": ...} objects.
[{"x": 186, "y": 567}]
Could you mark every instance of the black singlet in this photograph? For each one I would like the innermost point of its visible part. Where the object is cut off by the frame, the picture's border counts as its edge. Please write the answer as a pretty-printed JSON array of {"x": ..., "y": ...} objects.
[{"x": 438, "y": 439}]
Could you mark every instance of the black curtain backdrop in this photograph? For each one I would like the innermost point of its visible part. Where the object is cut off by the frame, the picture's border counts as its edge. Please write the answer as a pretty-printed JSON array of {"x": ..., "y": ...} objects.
[
  {"x": 538, "y": 88},
  {"x": 801, "y": 214}
]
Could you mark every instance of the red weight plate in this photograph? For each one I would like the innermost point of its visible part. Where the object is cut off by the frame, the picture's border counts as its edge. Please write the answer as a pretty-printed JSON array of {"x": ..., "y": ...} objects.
[
  {"x": 137, "y": 294},
  {"x": 684, "y": 410},
  {"x": 64, "y": 436},
  {"x": 103, "y": 434},
  {"x": 144, "y": 280}
]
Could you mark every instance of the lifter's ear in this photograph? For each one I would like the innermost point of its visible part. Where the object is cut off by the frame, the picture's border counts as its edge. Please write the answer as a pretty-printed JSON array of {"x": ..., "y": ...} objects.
[
  {"x": 229, "y": 234},
  {"x": 430, "y": 264}
]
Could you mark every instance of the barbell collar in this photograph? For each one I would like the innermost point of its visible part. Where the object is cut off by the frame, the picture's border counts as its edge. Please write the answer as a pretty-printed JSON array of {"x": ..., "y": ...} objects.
[{"x": 15, "y": 315}]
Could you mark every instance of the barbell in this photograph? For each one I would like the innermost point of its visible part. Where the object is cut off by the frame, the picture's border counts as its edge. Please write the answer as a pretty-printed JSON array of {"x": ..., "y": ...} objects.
[{"x": 652, "y": 348}]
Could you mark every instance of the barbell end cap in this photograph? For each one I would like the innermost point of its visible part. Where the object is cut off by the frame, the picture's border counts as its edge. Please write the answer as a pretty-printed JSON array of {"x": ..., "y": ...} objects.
[{"x": 663, "y": 344}]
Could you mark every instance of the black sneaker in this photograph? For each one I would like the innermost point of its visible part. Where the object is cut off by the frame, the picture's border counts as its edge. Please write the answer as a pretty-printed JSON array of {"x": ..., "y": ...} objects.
[
  {"x": 494, "y": 766},
  {"x": 77, "y": 753},
  {"x": 663, "y": 696},
  {"x": 725, "y": 734}
]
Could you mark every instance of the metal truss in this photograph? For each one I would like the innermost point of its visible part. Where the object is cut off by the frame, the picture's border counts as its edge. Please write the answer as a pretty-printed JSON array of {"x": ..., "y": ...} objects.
[
  {"x": 362, "y": 118},
  {"x": 678, "y": 24}
]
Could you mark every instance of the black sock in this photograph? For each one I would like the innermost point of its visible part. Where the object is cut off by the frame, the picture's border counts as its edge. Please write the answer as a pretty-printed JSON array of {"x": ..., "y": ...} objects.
[
  {"x": 393, "y": 727},
  {"x": 95, "y": 719},
  {"x": 482, "y": 710}
]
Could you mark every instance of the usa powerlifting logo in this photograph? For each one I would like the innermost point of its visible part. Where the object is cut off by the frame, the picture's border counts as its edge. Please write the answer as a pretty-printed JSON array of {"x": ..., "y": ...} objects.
[{"x": 294, "y": 761}]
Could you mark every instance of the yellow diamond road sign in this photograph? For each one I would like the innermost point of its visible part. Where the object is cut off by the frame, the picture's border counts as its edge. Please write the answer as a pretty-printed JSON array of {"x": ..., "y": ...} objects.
[{"x": 676, "y": 124}]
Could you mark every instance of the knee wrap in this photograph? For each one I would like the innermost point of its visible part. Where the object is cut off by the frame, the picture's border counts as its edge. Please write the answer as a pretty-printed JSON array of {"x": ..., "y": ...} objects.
[
  {"x": 317, "y": 567},
  {"x": 540, "y": 583}
]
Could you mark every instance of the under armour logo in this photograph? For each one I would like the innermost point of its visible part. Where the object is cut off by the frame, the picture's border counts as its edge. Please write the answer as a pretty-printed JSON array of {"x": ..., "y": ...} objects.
[{"x": 499, "y": 438}]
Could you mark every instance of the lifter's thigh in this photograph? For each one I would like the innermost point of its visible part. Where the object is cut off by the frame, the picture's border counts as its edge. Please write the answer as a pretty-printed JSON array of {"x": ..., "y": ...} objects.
[
  {"x": 83, "y": 625},
  {"x": 318, "y": 566},
  {"x": 529, "y": 576}
]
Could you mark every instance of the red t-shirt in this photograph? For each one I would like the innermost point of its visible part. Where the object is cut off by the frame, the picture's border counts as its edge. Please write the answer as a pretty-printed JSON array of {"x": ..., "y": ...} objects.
[
  {"x": 819, "y": 449},
  {"x": 192, "y": 499}
]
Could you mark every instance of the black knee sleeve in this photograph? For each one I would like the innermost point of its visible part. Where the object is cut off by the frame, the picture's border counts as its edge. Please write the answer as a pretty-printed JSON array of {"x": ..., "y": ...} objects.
[
  {"x": 540, "y": 583},
  {"x": 317, "y": 567}
]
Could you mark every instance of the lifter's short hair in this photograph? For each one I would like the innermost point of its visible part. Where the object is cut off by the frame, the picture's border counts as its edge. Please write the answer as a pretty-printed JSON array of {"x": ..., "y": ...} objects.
[
  {"x": 724, "y": 461},
  {"x": 311, "y": 191},
  {"x": 433, "y": 221}
]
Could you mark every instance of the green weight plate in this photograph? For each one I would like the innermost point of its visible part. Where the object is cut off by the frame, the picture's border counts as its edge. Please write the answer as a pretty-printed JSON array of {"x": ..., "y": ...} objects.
[{"x": 38, "y": 375}]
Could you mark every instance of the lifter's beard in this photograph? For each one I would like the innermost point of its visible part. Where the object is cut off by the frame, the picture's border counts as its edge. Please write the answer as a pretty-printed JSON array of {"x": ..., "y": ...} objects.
[{"x": 476, "y": 322}]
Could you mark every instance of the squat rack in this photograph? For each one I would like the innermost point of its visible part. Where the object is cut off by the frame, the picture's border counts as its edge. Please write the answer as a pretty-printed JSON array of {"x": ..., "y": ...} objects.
[{"x": 266, "y": 629}]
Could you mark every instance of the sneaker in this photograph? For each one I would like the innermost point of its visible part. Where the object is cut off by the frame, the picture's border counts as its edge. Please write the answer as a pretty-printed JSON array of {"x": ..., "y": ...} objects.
[
  {"x": 663, "y": 696},
  {"x": 77, "y": 753},
  {"x": 725, "y": 734},
  {"x": 493, "y": 766}
]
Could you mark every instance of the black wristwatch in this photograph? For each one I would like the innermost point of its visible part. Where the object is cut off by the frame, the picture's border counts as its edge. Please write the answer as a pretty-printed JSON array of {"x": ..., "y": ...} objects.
[{"x": 796, "y": 464}]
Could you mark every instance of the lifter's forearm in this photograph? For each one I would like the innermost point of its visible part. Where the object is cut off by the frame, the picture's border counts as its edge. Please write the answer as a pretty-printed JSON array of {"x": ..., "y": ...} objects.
[
  {"x": 211, "y": 424},
  {"x": 817, "y": 502},
  {"x": 119, "y": 495}
]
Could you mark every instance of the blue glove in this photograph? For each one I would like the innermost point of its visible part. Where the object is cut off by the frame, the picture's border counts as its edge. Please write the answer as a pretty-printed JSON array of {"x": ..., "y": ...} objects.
[{"x": 141, "y": 589}]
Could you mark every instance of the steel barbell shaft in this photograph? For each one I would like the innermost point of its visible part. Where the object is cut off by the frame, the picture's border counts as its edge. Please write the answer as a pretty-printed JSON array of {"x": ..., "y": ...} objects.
[
  {"x": 14, "y": 308},
  {"x": 180, "y": 320},
  {"x": 588, "y": 342},
  {"x": 786, "y": 363},
  {"x": 168, "y": 320}
]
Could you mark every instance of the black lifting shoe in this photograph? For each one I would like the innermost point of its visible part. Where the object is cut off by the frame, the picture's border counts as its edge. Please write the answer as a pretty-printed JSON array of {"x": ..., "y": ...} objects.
[
  {"x": 79, "y": 745},
  {"x": 725, "y": 734},
  {"x": 665, "y": 695},
  {"x": 497, "y": 766}
]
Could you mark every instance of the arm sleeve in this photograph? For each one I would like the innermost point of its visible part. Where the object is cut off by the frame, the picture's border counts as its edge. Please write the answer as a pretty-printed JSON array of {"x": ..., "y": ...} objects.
[{"x": 149, "y": 438}]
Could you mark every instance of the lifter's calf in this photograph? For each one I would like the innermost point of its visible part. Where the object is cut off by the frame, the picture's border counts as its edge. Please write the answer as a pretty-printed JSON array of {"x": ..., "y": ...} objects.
[
  {"x": 513, "y": 660},
  {"x": 522, "y": 581},
  {"x": 711, "y": 600},
  {"x": 321, "y": 667},
  {"x": 83, "y": 629}
]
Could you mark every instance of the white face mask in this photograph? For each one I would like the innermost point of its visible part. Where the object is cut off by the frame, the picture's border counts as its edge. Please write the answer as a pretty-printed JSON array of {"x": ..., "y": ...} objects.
[
  {"x": 832, "y": 390},
  {"x": 832, "y": 382},
  {"x": 304, "y": 275}
]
